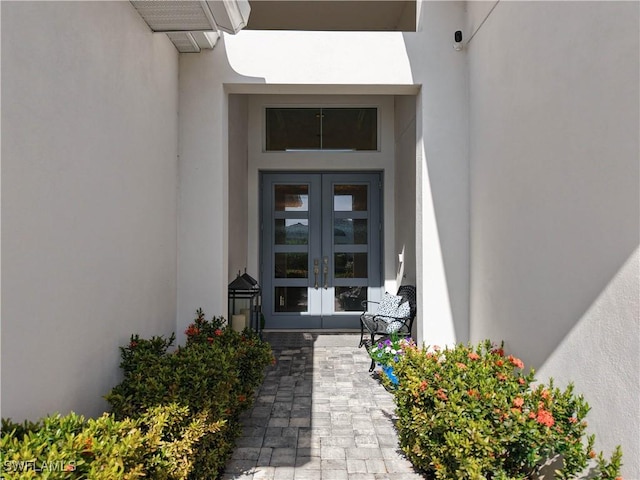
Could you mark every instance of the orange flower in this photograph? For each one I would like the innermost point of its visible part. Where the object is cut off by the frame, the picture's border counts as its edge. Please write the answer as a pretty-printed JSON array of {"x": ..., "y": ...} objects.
[
  {"x": 461, "y": 365},
  {"x": 242, "y": 398},
  {"x": 423, "y": 385},
  {"x": 499, "y": 363},
  {"x": 501, "y": 376},
  {"x": 545, "y": 394},
  {"x": 518, "y": 402},
  {"x": 521, "y": 381},
  {"x": 592, "y": 454},
  {"x": 473, "y": 356},
  {"x": 516, "y": 362},
  {"x": 573, "y": 419},
  {"x": 441, "y": 395},
  {"x": 70, "y": 468},
  {"x": 545, "y": 418},
  {"x": 472, "y": 393}
]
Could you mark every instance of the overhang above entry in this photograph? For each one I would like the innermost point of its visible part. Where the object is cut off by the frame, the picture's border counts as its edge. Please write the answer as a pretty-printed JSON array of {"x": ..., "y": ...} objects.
[{"x": 193, "y": 25}]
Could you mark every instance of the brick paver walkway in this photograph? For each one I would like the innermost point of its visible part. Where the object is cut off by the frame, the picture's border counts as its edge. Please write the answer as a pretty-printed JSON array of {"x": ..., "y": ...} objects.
[{"x": 319, "y": 415}]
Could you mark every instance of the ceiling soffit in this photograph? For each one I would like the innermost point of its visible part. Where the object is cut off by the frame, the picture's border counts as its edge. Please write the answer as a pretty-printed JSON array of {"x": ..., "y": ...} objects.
[{"x": 333, "y": 15}]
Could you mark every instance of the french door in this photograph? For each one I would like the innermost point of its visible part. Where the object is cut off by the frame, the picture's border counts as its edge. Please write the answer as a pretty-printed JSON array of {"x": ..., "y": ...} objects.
[{"x": 321, "y": 248}]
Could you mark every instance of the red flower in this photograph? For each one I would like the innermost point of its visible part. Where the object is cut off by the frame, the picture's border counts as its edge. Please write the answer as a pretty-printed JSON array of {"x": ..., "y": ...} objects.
[
  {"x": 192, "y": 330},
  {"x": 498, "y": 351},
  {"x": 218, "y": 332},
  {"x": 210, "y": 340},
  {"x": 242, "y": 398},
  {"x": 133, "y": 344},
  {"x": 473, "y": 356}
]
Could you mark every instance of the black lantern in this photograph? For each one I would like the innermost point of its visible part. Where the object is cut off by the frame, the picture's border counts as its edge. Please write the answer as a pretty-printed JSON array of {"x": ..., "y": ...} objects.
[{"x": 245, "y": 299}]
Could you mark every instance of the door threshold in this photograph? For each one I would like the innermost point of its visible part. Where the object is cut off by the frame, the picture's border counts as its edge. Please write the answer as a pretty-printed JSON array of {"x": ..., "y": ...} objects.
[{"x": 311, "y": 330}]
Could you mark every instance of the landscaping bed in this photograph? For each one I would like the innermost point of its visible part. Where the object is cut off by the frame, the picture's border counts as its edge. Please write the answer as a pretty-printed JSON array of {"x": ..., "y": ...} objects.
[{"x": 175, "y": 415}]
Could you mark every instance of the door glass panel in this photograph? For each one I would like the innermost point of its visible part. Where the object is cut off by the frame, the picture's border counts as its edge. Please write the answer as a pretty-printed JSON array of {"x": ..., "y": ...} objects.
[
  {"x": 350, "y": 231},
  {"x": 290, "y": 299},
  {"x": 292, "y": 231},
  {"x": 350, "y": 198},
  {"x": 350, "y": 265},
  {"x": 292, "y": 129},
  {"x": 292, "y": 198},
  {"x": 350, "y": 128},
  {"x": 291, "y": 265},
  {"x": 349, "y": 299}
]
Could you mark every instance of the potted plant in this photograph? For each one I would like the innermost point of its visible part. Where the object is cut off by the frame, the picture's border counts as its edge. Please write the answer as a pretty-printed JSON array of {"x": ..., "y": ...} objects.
[{"x": 387, "y": 352}]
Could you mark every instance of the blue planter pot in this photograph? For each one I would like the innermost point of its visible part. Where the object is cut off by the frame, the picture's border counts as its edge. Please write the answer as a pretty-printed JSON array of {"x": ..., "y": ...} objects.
[{"x": 388, "y": 371}]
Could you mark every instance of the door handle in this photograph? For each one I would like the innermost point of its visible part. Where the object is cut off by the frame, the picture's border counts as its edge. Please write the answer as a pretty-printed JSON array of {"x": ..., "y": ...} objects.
[
  {"x": 316, "y": 271},
  {"x": 325, "y": 271}
]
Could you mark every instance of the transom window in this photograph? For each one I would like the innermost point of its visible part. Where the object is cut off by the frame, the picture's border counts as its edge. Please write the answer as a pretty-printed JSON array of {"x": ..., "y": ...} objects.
[{"x": 326, "y": 129}]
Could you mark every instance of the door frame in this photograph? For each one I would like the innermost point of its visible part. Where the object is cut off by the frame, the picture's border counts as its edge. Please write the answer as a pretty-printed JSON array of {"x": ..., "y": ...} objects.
[{"x": 375, "y": 205}]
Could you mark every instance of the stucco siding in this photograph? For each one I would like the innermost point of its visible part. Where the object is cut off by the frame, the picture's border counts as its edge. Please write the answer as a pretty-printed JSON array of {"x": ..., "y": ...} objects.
[
  {"x": 89, "y": 173},
  {"x": 555, "y": 198}
]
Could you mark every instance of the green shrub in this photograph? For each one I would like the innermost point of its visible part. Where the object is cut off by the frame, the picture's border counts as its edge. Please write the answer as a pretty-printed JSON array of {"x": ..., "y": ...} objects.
[
  {"x": 157, "y": 445},
  {"x": 472, "y": 413},
  {"x": 215, "y": 374}
]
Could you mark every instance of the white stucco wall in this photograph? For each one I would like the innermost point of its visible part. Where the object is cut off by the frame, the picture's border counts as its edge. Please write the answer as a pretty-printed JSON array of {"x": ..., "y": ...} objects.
[
  {"x": 238, "y": 180},
  {"x": 554, "y": 95},
  {"x": 404, "y": 191},
  {"x": 442, "y": 226},
  {"x": 89, "y": 145}
]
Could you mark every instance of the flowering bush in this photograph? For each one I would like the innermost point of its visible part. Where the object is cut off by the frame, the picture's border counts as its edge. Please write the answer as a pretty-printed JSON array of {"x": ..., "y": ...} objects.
[
  {"x": 389, "y": 351},
  {"x": 203, "y": 331},
  {"x": 472, "y": 413},
  {"x": 216, "y": 373}
]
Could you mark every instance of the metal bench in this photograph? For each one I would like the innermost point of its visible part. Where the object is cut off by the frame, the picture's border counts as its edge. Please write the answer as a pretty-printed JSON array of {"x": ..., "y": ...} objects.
[{"x": 377, "y": 327}]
